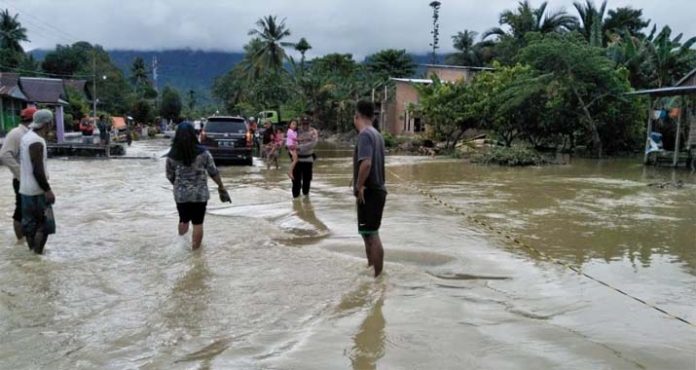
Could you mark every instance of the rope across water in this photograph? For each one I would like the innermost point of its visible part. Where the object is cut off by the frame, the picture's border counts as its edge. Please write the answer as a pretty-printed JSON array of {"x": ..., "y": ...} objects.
[{"x": 517, "y": 243}]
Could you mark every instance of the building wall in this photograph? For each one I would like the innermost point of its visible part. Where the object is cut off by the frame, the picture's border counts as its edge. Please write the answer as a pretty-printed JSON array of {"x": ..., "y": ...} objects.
[
  {"x": 396, "y": 109},
  {"x": 449, "y": 74}
]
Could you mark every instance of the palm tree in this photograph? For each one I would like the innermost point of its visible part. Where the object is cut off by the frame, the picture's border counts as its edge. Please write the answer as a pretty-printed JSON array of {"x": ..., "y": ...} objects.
[
  {"x": 468, "y": 51},
  {"x": 631, "y": 53},
  {"x": 630, "y": 19},
  {"x": 592, "y": 21},
  {"x": 271, "y": 33},
  {"x": 670, "y": 58},
  {"x": 390, "y": 63},
  {"x": 138, "y": 72},
  {"x": 11, "y": 32},
  {"x": 302, "y": 46},
  {"x": 528, "y": 19}
]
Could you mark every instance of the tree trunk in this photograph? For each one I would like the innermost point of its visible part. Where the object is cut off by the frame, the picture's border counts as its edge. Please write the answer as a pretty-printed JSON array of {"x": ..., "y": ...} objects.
[{"x": 592, "y": 125}]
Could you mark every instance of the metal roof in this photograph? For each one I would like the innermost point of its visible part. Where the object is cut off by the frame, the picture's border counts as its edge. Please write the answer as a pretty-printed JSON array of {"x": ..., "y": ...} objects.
[
  {"x": 413, "y": 80},
  {"x": 667, "y": 91},
  {"x": 9, "y": 86},
  {"x": 447, "y": 66},
  {"x": 43, "y": 90}
]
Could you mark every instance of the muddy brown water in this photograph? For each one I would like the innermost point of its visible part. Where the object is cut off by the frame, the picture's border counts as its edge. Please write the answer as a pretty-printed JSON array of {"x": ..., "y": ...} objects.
[{"x": 283, "y": 285}]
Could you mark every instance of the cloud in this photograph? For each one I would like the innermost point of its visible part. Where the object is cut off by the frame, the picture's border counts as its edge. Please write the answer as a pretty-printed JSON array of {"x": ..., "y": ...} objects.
[{"x": 359, "y": 27}]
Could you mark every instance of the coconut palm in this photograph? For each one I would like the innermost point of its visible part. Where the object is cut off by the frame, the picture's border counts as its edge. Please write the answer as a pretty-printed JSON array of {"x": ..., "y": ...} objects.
[
  {"x": 11, "y": 32},
  {"x": 390, "y": 63},
  {"x": 302, "y": 46},
  {"x": 271, "y": 33},
  {"x": 670, "y": 58},
  {"x": 591, "y": 20},
  {"x": 630, "y": 19},
  {"x": 526, "y": 19},
  {"x": 468, "y": 51}
]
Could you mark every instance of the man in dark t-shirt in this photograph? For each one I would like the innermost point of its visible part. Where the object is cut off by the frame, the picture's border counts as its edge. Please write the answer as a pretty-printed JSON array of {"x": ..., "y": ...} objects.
[{"x": 368, "y": 183}]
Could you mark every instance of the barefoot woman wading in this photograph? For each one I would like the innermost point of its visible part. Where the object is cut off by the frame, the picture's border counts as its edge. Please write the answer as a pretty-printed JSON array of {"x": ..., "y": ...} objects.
[{"x": 188, "y": 165}]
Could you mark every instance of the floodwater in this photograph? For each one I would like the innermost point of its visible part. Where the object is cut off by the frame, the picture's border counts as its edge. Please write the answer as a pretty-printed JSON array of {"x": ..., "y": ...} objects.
[{"x": 283, "y": 285}]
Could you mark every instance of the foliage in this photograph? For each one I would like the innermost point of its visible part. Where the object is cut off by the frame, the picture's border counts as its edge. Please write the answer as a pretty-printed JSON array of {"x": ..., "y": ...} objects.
[
  {"x": 390, "y": 63},
  {"x": 142, "y": 111},
  {"x": 511, "y": 156},
  {"x": 170, "y": 106},
  {"x": 11, "y": 32},
  {"x": 449, "y": 108},
  {"x": 78, "y": 106},
  {"x": 270, "y": 32}
]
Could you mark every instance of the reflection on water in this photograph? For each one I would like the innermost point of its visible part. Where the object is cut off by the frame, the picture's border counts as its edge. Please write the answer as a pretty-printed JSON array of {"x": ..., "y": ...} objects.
[{"x": 369, "y": 340}]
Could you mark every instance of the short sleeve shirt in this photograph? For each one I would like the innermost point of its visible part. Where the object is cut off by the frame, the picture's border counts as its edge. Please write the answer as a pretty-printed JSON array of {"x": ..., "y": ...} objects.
[
  {"x": 191, "y": 182},
  {"x": 370, "y": 146}
]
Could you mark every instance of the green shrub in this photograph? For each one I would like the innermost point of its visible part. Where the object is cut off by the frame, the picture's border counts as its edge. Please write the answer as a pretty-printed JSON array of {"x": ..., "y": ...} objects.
[
  {"x": 389, "y": 140},
  {"x": 511, "y": 156}
]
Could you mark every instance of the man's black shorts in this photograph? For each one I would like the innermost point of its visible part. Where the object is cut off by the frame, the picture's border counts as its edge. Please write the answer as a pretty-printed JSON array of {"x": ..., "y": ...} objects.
[
  {"x": 191, "y": 212},
  {"x": 370, "y": 212},
  {"x": 17, "y": 215}
]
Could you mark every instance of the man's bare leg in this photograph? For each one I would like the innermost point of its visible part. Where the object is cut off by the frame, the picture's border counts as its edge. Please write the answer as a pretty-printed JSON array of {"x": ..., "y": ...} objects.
[
  {"x": 39, "y": 242},
  {"x": 18, "y": 230},
  {"x": 376, "y": 252},
  {"x": 367, "y": 251},
  {"x": 197, "y": 238}
]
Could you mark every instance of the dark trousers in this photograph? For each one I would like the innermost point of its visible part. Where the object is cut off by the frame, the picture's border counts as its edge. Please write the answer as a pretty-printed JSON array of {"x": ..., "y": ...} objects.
[{"x": 303, "y": 178}]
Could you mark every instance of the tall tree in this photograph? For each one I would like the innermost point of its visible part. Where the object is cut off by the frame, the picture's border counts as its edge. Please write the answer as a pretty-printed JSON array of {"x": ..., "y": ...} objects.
[
  {"x": 138, "y": 72},
  {"x": 591, "y": 21},
  {"x": 436, "y": 30},
  {"x": 302, "y": 46},
  {"x": 468, "y": 51},
  {"x": 579, "y": 73},
  {"x": 390, "y": 63},
  {"x": 626, "y": 18},
  {"x": 11, "y": 32},
  {"x": 170, "y": 105},
  {"x": 526, "y": 19},
  {"x": 271, "y": 34},
  {"x": 670, "y": 58}
]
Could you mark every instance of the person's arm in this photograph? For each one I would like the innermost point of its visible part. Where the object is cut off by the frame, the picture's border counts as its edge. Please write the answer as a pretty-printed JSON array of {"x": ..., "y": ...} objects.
[
  {"x": 36, "y": 152},
  {"x": 213, "y": 171},
  {"x": 171, "y": 171},
  {"x": 306, "y": 147},
  {"x": 9, "y": 158},
  {"x": 365, "y": 151}
]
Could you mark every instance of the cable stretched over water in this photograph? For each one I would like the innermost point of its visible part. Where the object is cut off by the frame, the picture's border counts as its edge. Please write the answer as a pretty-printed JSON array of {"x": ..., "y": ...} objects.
[{"x": 522, "y": 245}]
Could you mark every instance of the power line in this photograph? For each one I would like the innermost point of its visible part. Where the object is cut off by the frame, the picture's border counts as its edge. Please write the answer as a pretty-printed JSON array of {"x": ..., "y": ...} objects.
[
  {"x": 14, "y": 69},
  {"x": 46, "y": 25}
]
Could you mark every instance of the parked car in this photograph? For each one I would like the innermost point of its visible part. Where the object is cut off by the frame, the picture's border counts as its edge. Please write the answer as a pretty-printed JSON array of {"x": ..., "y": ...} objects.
[{"x": 228, "y": 139}]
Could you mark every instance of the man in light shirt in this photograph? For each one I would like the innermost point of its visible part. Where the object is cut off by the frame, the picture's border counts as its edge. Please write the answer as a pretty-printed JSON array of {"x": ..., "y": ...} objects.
[
  {"x": 37, "y": 197},
  {"x": 9, "y": 155}
]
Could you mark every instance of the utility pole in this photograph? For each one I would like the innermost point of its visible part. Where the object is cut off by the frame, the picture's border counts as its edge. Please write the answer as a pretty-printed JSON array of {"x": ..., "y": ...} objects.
[
  {"x": 436, "y": 30},
  {"x": 94, "y": 83},
  {"x": 155, "y": 65}
]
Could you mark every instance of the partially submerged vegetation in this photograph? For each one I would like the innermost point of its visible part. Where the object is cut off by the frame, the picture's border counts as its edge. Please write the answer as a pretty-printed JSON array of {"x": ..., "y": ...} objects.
[{"x": 512, "y": 156}]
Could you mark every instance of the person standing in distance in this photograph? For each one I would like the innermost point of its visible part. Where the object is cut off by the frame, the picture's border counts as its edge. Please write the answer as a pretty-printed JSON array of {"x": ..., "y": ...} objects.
[
  {"x": 302, "y": 173},
  {"x": 368, "y": 183},
  {"x": 9, "y": 154},
  {"x": 37, "y": 196}
]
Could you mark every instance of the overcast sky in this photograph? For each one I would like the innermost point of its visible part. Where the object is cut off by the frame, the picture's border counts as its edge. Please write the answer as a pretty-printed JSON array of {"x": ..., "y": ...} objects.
[{"x": 359, "y": 27}]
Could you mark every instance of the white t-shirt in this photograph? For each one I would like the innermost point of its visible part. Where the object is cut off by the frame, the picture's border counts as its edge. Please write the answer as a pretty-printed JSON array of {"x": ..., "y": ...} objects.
[{"x": 27, "y": 182}]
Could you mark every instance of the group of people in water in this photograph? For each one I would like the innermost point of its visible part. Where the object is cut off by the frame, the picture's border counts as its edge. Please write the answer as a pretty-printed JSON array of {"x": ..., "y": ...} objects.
[
  {"x": 188, "y": 165},
  {"x": 24, "y": 152}
]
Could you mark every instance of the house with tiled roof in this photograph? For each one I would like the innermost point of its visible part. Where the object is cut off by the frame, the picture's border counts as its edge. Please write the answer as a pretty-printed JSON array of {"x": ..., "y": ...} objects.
[{"x": 12, "y": 100}]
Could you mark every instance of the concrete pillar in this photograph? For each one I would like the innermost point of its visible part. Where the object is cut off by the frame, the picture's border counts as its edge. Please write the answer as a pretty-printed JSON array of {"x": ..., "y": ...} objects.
[{"x": 60, "y": 125}]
